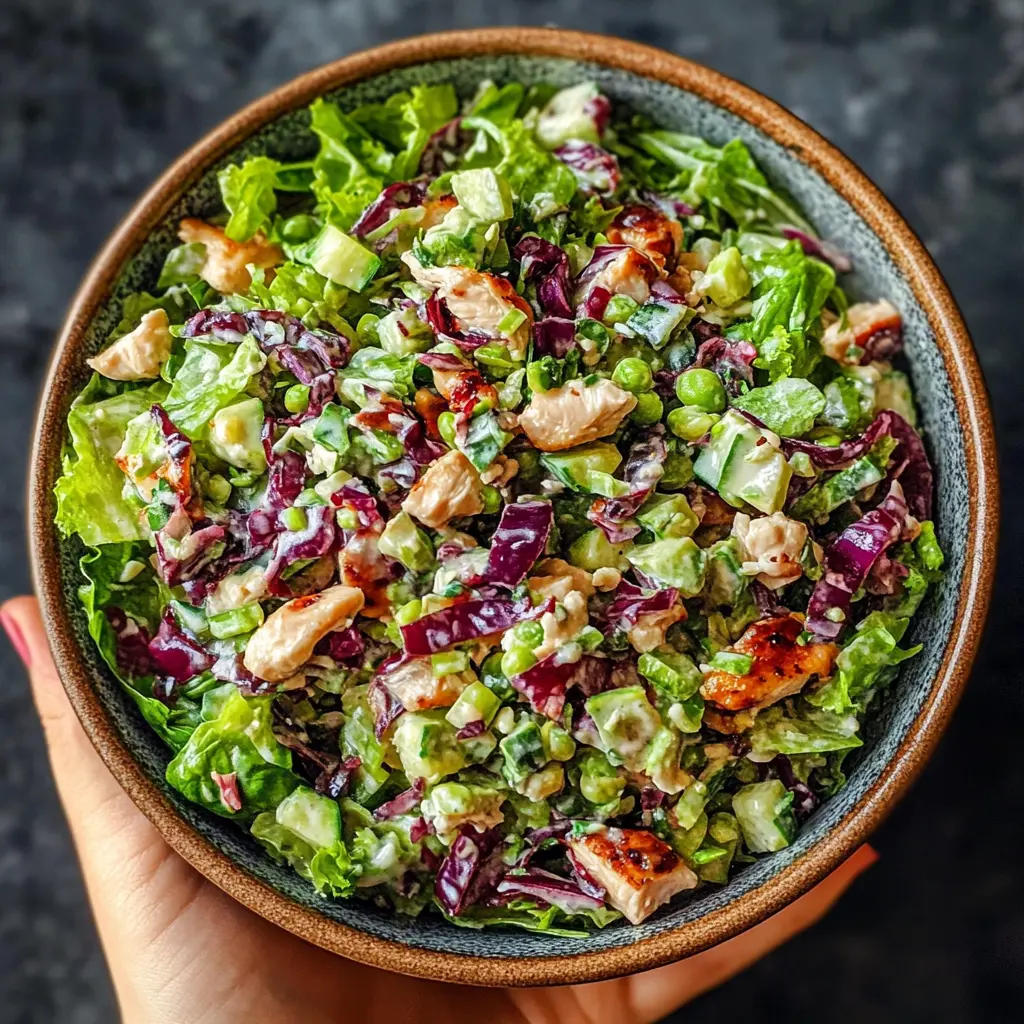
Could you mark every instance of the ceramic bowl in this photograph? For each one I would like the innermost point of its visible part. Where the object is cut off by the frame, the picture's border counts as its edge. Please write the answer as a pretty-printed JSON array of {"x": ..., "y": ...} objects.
[{"x": 890, "y": 261}]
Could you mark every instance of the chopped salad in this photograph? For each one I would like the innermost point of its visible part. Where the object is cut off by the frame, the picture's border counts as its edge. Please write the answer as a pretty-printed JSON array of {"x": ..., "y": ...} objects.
[{"x": 503, "y": 513}]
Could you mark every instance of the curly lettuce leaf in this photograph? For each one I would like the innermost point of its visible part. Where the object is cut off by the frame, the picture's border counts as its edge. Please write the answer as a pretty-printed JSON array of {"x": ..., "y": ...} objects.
[
  {"x": 533, "y": 917},
  {"x": 90, "y": 499},
  {"x": 238, "y": 741},
  {"x": 143, "y": 598},
  {"x": 211, "y": 377},
  {"x": 725, "y": 179},
  {"x": 808, "y": 731},
  {"x": 247, "y": 190},
  {"x": 867, "y": 662}
]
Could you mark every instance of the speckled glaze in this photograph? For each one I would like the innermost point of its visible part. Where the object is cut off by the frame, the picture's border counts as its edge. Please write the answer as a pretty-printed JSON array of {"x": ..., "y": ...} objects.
[{"x": 846, "y": 208}]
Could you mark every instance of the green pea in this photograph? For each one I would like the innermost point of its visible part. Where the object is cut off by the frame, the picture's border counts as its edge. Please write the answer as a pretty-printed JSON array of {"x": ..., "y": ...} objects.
[
  {"x": 529, "y": 634},
  {"x": 446, "y": 428},
  {"x": 633, "y": 374},
  {"x": 300, "y": 228},
  {"x": 649, "y": 409},
  {"x": 690, "y": 423},
  {"x": 516, "y": 661},
  {"x": 294, "y": 518},
  {"x": 619, "y": 309},
  {"x": 296, "y": 398},
  {"x": 701, "y": 388},
  {"x": 491, "y": 498}
]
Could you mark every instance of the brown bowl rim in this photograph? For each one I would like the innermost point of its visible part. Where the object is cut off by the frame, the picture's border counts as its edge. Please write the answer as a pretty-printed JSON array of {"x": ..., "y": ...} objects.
[{"x": 970, "y": 396}]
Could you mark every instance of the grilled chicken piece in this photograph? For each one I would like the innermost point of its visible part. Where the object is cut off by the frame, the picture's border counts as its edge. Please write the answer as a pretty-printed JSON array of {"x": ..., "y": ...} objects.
[
  {"x": 631, "y": 273},
  {"x": 864, "y": 321},
  {"x": 658, "y": 237},
  {"x": 139, "y": 354},
  {"x": 575, "y": 414},
  {"x": 479, "y": 301},
  {"x": 227, "y": 261},
  {"x": 780, "y": 668},
  {"x": 450, "y": 488},
  {"x": 773, "y": 546},
  {"x": 285, "y": 642},
  {"x": 417, "y": 688},
  {"x": 638, "y": 871}
]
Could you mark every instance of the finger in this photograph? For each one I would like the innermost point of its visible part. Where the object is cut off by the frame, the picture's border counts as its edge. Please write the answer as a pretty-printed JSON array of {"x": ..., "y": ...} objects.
[{"x": 658, "y": 992}]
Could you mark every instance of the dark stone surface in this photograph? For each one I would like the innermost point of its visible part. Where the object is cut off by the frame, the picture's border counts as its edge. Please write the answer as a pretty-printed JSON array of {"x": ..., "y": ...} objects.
[{"x": 927, "y": 96}]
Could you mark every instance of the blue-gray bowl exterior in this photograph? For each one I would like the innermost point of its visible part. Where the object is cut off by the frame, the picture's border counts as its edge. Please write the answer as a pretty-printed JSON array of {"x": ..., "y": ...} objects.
[{"x": 875, "y": 276}]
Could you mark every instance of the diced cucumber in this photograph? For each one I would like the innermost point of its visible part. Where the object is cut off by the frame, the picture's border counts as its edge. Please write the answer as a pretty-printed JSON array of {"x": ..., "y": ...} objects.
[
  {"x": 656, "y": 321},
  {"x": 581, "y": 468},
  {"x": 676, "y": 561},
  {"x": 731, "y": 432},
  {"x": 312, "y": 817},
  {"x": 819, "y": 501},
  {"x": 765, "y": 815},
  {"x": 668, "y": 516},
  {"x": 341, "y": 259},
  {"x": 593, "y": 551},
  {"x": 236, "y": 621},
  {"x": 476, "y": 703},
  {"x": 404, "y": 541},
  {"x": 427, "y": 745}
]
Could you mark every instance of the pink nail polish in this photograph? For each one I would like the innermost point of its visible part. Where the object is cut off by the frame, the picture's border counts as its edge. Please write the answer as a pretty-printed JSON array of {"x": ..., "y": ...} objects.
[{"x": 17, "y": 640}]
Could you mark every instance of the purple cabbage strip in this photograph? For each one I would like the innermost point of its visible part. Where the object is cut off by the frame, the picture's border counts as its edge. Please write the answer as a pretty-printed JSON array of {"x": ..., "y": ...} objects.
[
  {"x": 547, "y": 266},
  {"x": 804, "y": 799},
  {"x": 195, "y": 551},
  {"x": 599, "y": 110},
  {"x": 468, "y": 620},
  {"x": 546, "y": 683},
  {"x": 731, "y": 360},
  {"x": 314, "y": 540},
  {"x": 176, "y": 654},
  {"x": 132, "y": 650},
  {"x": 518, "y": 542},
  {"x": 630, "y": 602},
  {"x": 469, "y": 870},
  {"x": 400, "y": 196},
  {"x": 346, "y": 646},
  {"x": 304, "y": 364},
  {"x": 915, "y": 473},
  {"x": 816, "y": 247},
  {"x": 443, "y": 361},
  {"x": 849, "y": 559},
  {"x": 471, "y": 730},
  {"x": 386, "y": 707},
  {"x": 669, "y": 205},
  {"x": 405, "y": 802},
  {"x": 644, "y": 467},
  {"x": 595, "y": 168},
  {"x": 535, "y": 883},
  {"x": 554, "y": 336},
  {"x": 444, "y": 147},
  {"x": 884, "y": 344}
]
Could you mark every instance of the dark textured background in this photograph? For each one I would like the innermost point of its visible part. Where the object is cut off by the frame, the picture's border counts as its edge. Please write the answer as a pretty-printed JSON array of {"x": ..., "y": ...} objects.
[{"x": 96, "y": 96}]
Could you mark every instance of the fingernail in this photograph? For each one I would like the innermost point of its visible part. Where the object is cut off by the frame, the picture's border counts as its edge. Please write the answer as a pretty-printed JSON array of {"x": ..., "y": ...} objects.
[{"x": 17, "y": 640}]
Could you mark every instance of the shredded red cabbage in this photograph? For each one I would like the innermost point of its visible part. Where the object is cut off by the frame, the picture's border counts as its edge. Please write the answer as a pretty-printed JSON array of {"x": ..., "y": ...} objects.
[
  {"x": 630, "y": 602},
  {"x": 176, "y": 654},
  {"x": 644, "y": 467},
  {"x": 535, "y": 883},
  {"x": 826, "y": 251},
  {"x": 469, "y": 870},
  {"x": 595, "y": 168},
  {"x": 386, "y": 707},
  {"x": 545, "y": 265},
  {"x": 314, "y": 540},
  {"x": 849, "y": 559},
  {"x": 554, "y": 336},
  {"x": 468, "y": 620},
  {"x": 518, "y": 542},
  {"x": 400, "y": 196},
  {"x": 132, "y": 650},
  {"x": 444, "y": 147},
  {"x": 405, "y": 802},
  {"x": 914, "y": 469},
  {"x": 731, "y": 360},
  {"x": 230, "y": 796}
]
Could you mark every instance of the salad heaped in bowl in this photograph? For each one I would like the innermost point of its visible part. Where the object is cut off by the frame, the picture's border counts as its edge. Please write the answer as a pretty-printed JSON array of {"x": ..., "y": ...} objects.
[{"x": 503, "y": 512}]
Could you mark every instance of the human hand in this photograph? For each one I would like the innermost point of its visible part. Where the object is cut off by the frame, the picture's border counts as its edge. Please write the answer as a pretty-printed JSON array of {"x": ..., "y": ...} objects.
[{"x": 180, "y": 950}]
